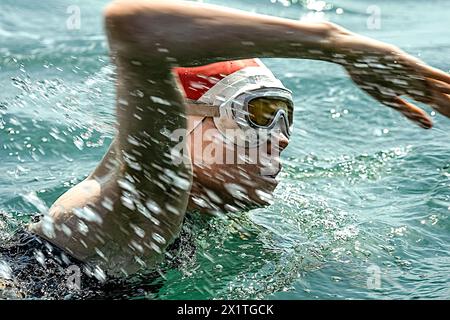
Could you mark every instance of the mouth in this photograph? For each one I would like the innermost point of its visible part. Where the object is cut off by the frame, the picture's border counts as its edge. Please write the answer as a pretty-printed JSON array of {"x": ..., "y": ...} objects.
[
  {"x": 273, "y": 175},
  {"x": 271, "y": 180}
]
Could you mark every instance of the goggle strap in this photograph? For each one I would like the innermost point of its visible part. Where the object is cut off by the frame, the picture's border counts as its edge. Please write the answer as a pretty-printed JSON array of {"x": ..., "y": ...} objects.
[{"x": 201, "y": 110}]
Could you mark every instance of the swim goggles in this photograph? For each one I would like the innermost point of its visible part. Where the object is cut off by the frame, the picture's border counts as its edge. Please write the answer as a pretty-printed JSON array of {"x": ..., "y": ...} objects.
[{"x": 248, "y": 107}]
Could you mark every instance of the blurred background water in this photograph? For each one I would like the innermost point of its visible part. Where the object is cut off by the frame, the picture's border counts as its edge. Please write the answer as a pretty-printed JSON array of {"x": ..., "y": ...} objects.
[{"x": 362, "y": 210}]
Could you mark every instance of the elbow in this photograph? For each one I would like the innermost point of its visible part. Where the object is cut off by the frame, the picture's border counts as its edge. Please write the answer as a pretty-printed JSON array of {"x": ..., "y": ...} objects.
[
  {"x": 121, "y": 11},
  {"x": 131, "y": 22},
  {"x": 136, "y": 26},
  {"x": 119, "y": 21}
]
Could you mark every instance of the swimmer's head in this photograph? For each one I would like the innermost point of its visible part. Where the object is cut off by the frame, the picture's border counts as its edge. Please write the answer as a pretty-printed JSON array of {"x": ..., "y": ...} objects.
[{"x": 233, "y": 168}]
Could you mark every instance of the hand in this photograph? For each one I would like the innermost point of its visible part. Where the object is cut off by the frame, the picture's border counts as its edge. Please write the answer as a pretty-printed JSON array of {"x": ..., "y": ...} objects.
[{"x": 387, "y": 73}]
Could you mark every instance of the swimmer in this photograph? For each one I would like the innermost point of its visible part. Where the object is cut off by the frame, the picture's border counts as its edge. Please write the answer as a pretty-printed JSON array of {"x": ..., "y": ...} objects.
[{"x": 193, "y": 69}]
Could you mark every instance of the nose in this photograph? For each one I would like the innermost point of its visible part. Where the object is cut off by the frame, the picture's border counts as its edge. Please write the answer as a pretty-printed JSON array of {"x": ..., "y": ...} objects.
[
  {"x": 283, "y": 142},
  {"x": 278, "y": 143}
]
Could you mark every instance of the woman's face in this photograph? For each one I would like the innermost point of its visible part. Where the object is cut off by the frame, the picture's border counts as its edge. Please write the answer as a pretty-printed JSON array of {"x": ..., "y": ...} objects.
[{"x": 223, "y": 180}]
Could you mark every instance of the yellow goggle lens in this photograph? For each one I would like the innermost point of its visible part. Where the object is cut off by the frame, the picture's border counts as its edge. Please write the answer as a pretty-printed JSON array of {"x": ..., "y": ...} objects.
[{"x": 262, "y": 111}]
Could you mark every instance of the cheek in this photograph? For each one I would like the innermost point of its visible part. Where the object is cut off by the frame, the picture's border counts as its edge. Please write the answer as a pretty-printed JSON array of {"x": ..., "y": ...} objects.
[{"x": 207, "y": 148}]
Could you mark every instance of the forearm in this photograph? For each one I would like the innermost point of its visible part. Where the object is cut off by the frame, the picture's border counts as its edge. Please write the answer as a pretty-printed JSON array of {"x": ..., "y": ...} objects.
[{"x": 187, "y": 33}]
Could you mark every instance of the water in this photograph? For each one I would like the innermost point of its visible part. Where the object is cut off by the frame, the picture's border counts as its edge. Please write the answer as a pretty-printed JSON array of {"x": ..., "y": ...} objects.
[{"x": 362, "y": 210}]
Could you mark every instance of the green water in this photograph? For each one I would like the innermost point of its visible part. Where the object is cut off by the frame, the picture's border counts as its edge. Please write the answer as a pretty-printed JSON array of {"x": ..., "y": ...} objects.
[{"x": 364, "y": 195}]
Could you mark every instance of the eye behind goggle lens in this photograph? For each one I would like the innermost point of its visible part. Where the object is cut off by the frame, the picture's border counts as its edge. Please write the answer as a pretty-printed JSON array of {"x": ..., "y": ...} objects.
[{"x": 262, "y": 111}]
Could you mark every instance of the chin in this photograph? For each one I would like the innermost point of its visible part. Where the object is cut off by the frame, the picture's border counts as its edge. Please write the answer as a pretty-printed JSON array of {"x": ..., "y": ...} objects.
[
  {"x": 224, "y": 187},
  {"x": 258, "y": 193}
]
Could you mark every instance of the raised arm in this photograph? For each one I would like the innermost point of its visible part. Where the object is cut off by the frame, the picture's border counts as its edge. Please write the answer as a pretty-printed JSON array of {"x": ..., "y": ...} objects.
[{"x": 168, "y": 33}]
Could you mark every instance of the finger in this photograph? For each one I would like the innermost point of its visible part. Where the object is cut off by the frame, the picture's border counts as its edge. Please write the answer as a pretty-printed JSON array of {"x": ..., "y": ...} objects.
[
  {"x": 411, "y": 112},
  {"x": 441, "y": 103},
  {"x": 439, "y": 85},
  {"x": 389, "y": 99},
  {"x": 434, "y": 73},
  {"x": 436, "y": 99}
]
